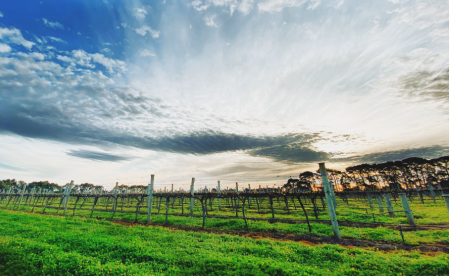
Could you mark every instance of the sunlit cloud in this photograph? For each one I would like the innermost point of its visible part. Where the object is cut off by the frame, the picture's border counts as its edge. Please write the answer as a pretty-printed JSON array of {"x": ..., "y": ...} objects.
[{"x": 224, "y": 89}]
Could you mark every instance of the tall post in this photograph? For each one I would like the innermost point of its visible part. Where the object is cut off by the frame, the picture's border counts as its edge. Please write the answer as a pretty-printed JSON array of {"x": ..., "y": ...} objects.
[
  {"x": 408, "y": 212},
  {"x": 369, "y": 198},
  {"x": 21, "y": 195},
  {"x": 115, "y": 199},
  {"x": 237, "y": 188},
  {"x": 67, "y": 196},
  {"x": 432, "y": 193},
  {"x": 446, "y": 200},
  {"x": 192, "y": 196},
  {"x": 329, "y": 198},
  {"x": 249, "y": 199},
  {"x": 218, "y": 192},
  {"x": 387, "y": 197},
  {"x": 380, "y": 204},
  {"x": 172, "y": 187},
  {"x": 150, "y": 198}
]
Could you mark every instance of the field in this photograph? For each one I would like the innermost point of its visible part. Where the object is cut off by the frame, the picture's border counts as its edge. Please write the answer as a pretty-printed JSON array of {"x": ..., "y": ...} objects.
[
  {"x": 274, "y": 238},
  {"x": 33, "y": 244}
]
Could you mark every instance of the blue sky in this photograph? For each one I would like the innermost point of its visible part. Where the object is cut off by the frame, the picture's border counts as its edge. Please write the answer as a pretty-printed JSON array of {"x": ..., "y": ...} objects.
[{"x": 237, "y": 91}]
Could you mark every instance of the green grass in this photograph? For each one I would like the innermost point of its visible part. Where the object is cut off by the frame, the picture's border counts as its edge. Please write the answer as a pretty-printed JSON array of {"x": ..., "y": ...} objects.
[
  {"x": 33, "y": 244},
  {"x": 424, "y": 214}
]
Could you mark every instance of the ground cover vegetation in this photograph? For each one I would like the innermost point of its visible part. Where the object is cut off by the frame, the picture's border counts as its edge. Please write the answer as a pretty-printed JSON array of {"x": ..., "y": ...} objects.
[
  {"x": 32, "y": 244},
  {"x": 401, "y": 203}
]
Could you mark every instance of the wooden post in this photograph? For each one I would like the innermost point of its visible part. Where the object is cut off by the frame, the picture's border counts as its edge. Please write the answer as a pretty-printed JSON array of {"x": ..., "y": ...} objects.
[
  {"x": 387, "y": 197},
  {"x": 115, "y": 199},
  {"x": 380, "y": 204},
  {"x": 329, "y": 197},
  {"x": 369, "y": 198},
  {"x": 21, "y": 195},
  {"x": 192, "y": 196},
  {"x": 218, "y": 192},
  {"x": 408, "y": 212},
  {"x": 67, "y": 196},
  {"x": 249, "y": 199},
  {"x": 446, "y": 200},
  {"x": 167, "y": 208},
  {"x": 150, "y": 198},
  {"x": 172, "y": 187},
  {"x": 237, "y": 188},
  {"x": 433, "y": 195}
]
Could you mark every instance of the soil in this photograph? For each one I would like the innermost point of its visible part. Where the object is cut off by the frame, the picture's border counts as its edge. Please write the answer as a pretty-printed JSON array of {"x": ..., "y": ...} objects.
[{"x": 429, "y": 249}]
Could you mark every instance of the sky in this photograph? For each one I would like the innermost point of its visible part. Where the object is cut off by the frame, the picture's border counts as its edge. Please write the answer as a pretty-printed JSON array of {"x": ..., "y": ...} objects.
[{"x": 220, "y": 90}]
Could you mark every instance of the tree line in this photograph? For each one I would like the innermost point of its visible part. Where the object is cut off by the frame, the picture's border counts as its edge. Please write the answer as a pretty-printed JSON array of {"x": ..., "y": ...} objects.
[{"x": 409, "y": 173}]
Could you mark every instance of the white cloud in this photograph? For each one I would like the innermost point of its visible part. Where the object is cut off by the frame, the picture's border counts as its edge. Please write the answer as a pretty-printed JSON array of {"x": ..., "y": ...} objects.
[
  {"x": 140, "y": 13},
  {"x": 56, "y": 39},
  {"x": 1, "y": 14},
  {"x": 14, "y": 36},
  {"x": 123, "y": 25},
  {"x": 107, "y": 50},
  {"x": 423, "y": 15},
  {"x": 66, "y": 59},
  {"x": 4, "y": 48},
  {"x": 79, "y": 33},
  {"x": 53, "y": 25},
  {"x": 209, "y": 20},
  {"x": 246, "y": 6},
  {"x": 84, "y": 59},
  {"x": 109, "y": 63},
  {"x": 314, "y": 4},
  {"x": 398, "y": 1},
  {"x": 279, "y": 5},
  {"x": 34, "y": 55},
  {"x": 144, "y": 29},
  {"x": 199, "y": 6},
  {"x": 147, "y": 53}
]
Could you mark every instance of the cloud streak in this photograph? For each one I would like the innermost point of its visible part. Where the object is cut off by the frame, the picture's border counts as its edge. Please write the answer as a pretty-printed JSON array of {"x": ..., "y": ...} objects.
[
  {"x": 98, "y": 156},
  {"x": 53, "y": 25}
]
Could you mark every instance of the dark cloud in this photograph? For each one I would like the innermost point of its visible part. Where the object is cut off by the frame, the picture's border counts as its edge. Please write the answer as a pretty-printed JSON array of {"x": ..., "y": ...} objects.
[
  {"x": 292, "y": 152},
  {"x": 424, "y": 152},
  {"x": 426, "y": 85},
  {"x": 98, "y": 156},
  {"x": 51, "y": 124}
]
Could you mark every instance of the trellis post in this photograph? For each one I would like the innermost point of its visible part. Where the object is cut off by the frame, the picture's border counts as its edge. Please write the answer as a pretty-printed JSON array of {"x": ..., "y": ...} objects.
[
  {"x": 431, "y": 188},
  {"x": 446, "y": 200},
  {"x": 150, "y": 198},
  {"x": 380, "y": 203},
  {"x": 329, "y": 197},
  {"x": 192, "y": 196},
  {"x": 408, "y": 212},
  {"x": 369, "y": 198},
  {"x": 387, "y": 197},
  {"x": 21, "y": 195},
  {"x": 218, "y": 192},
  {"x": 237, "y": 188},
  {"x": 67, "y": 196},
  {"x": 115, "y": 199},
  {"x": 249, "y": 199}
]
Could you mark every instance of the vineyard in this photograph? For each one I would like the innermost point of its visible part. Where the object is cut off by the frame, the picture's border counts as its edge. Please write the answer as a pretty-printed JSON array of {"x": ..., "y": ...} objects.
[{"x": 358, "y": 207}]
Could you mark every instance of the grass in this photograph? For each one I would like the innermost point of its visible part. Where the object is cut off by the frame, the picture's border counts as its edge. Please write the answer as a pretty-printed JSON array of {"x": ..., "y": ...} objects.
[
  {"x": 32, "y": 244},
  {"x": 424, "y": 214}
]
